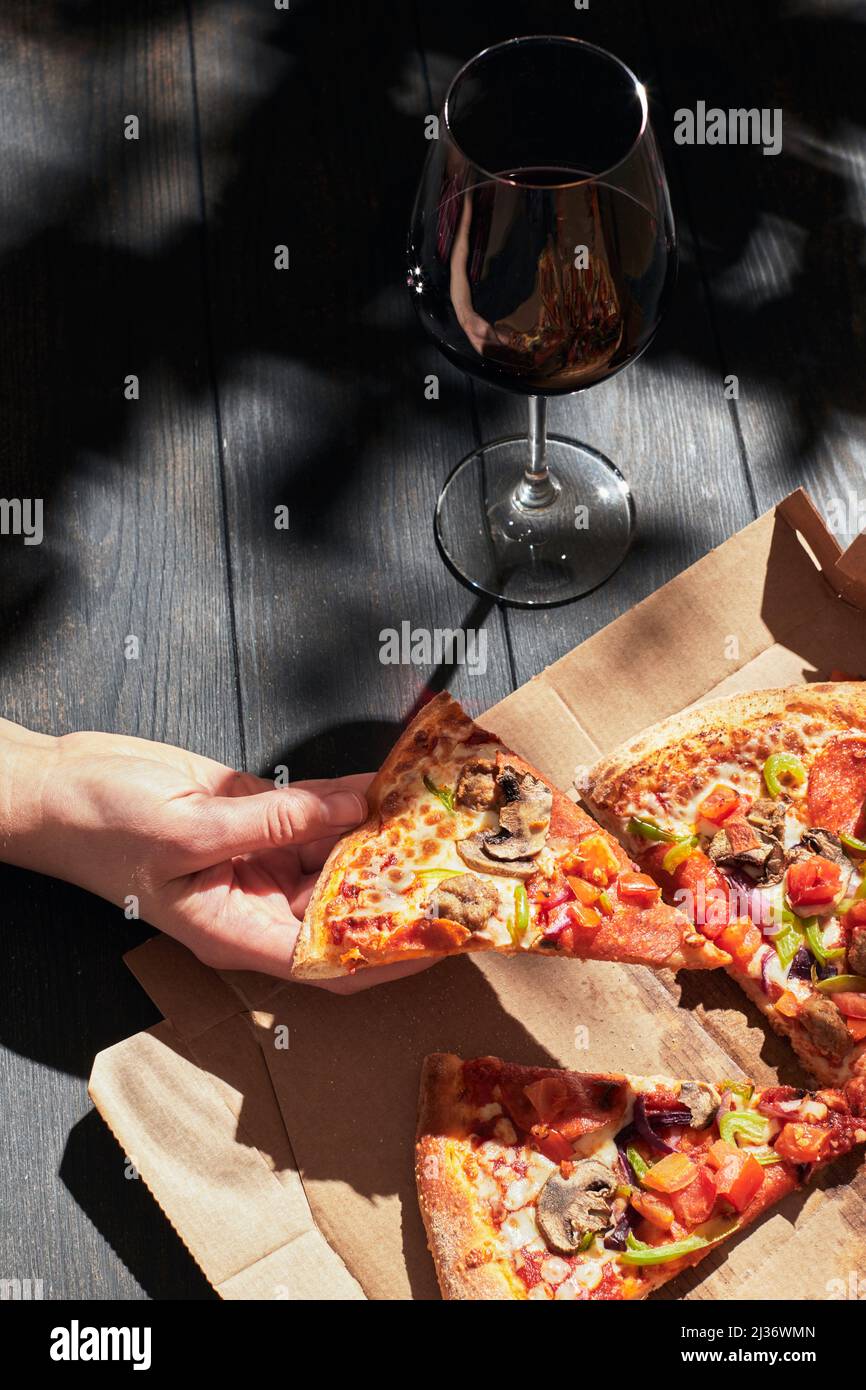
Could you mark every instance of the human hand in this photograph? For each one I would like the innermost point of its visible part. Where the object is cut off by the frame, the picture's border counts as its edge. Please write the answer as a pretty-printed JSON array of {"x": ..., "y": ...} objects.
[{"x": 222, "y": 861}]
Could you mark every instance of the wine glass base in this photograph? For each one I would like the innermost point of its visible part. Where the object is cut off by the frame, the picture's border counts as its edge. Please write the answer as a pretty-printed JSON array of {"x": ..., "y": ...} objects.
[{"x": 535, "y": 557}]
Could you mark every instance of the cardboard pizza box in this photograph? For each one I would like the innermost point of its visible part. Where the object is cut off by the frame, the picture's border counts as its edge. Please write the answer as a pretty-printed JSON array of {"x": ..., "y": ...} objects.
[{"x": 274, "y": 1122}]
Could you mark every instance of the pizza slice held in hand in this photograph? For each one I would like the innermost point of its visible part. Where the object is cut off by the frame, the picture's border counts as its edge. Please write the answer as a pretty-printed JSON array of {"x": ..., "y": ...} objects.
[
  {"x": 468, "y": 848},
  {"x": 749, "y": 814},
  {"x": 536, "y": 1183}
]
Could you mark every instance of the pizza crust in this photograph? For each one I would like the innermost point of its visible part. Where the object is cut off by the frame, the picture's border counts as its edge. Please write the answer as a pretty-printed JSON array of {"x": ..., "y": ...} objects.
[
  {"x": 673, "y": 747},
  {"x": 454, "y": 1222}
]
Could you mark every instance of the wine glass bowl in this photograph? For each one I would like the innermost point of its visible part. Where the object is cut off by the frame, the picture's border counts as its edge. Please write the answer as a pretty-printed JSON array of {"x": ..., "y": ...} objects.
[{"x": 541, "y": 259}]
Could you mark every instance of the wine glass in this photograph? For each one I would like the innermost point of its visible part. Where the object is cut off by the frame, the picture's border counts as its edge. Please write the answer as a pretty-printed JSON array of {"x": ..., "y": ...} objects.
[{"x": 542, "y": 256}]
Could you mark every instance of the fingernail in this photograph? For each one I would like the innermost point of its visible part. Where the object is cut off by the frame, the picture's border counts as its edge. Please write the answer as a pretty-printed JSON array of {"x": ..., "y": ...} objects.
[{"x": 345, "y": 808}]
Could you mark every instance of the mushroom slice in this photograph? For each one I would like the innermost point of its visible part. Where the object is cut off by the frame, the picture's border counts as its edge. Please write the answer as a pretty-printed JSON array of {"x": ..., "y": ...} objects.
[
  {"x": 467, "y": 900},
  {"x": 473, "y": 852},
  {"x": 769, "y": 816},
  {"x": 570, "y": 1208},
  {"x": 826, "y": 1027},
  {"x": 476, "y": 785},
  {"x": 702, "y": 1101},
  {"x": 818, "y": 841},
  {"x": 524, "y": 817},
  {"x": 753, "y": 852}
]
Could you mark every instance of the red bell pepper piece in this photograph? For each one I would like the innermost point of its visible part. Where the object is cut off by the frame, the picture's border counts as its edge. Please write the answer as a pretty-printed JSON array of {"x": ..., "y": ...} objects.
[
  {"x": 738, "y": 1180},
  {"x": 637, "y": 888},
  {"x": 721, "y": 802},
  {"x": 814, "y": 882},
  {"x": 800, "y": 1143},
  {"x": 695, "y": 1203}
]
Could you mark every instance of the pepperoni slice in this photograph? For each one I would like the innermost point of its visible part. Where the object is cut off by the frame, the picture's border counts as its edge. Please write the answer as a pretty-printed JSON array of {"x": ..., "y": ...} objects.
[
  {"x": 572, "y": 1103},
  {"x": 837, "y": 786},
  {"x": 428, "y": 934},
  {"x": 576, "y": 1105},
  {"x": 648, "y": 934}
]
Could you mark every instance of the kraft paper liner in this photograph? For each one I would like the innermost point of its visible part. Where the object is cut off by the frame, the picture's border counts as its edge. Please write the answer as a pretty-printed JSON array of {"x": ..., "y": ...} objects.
[
  {"x": 207, "y": 1107},
  {"x": 204, "y": 1133}
]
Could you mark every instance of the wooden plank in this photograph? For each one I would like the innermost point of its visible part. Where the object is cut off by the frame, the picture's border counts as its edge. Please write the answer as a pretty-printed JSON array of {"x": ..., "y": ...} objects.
[
  {"x": 321, "y": 372},
  {"x": 100, "y": 276},
  {"x": 780, "y": 236},
  {"x": 664, "y": 421}
]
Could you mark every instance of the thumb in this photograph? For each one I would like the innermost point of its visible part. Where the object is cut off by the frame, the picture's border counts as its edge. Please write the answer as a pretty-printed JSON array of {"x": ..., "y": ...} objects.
[{"x": 233, "y": 825}]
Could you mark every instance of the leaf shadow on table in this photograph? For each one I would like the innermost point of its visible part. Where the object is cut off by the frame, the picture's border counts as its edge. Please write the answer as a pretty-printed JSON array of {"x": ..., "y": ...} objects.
[
  {"x": 87, "y": 294},
  {"x": 793, "y": 221},
  {"x": 359, "y": 745},
  {"x": 62, "y": 944},
  {"x": 782, "y": 238}
]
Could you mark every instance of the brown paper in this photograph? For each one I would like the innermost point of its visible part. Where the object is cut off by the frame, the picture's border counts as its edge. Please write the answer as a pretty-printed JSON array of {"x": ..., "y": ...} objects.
[
  {"x": 205, "y": 1103},
  {"x": 193, "y": 1109}
]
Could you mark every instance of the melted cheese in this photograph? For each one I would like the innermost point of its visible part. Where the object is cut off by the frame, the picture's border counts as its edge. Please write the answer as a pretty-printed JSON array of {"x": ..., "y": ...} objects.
[
  {"x": 519, "y": 1229},
  {"x": 424, "y": 839},
  {"x": 516, "y": 1174}
]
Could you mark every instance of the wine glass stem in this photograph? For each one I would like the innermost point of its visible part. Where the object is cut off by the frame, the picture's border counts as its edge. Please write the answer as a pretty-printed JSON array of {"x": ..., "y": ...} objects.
[{"x": 537, "y": 488}]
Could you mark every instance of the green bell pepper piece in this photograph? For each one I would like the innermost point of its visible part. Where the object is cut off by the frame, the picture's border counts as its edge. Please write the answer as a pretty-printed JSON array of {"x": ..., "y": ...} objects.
[
  {"x": 648, "y": 830},
  {"x": 837, "y": 983},
  {"x": 443, "y": 794},
  {"x": 815, "y": 939},
  {"x": 780, "y": 765},
  {"x": 636, "y": 1253},
  {"x": 766, "y": 1157},
  {"x": 789, "y": 940},
  {"x": 745, "y": 1122},
  {"x": 678, "y": 852},
  {"x": 743, "y": 1089},
  {"x": 639, "y": 1165},
  {"x": 520, "y": 921}
]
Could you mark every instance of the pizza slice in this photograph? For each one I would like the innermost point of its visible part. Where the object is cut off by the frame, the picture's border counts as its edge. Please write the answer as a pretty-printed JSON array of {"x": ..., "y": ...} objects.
[
  {"x": 749, "y": 813},
  {"x": 468, "y": 848},
  {"x": 536, "y": 1183}
]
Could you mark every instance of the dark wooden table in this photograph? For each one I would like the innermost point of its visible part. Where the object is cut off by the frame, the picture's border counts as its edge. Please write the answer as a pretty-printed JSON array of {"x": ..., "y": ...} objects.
[{"x": 305, "y": 388}]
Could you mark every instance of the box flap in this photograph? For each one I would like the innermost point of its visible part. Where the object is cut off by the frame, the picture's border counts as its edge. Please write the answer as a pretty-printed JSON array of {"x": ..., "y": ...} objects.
[{"x": 205, "y": 1135}]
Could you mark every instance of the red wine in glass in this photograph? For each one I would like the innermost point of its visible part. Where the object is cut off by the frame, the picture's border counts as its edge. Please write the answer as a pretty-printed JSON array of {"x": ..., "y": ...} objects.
[{"x": 542, "y": 257}]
